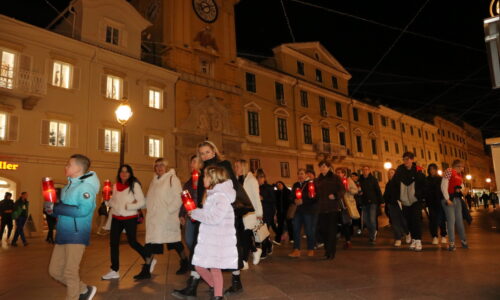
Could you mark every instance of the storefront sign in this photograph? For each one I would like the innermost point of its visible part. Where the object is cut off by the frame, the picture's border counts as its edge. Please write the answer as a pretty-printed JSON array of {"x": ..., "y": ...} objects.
[{"x": 8, "y": 166}]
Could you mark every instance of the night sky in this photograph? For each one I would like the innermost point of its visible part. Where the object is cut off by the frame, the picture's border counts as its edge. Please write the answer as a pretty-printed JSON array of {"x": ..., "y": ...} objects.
[{"x": 438, "y": 66}]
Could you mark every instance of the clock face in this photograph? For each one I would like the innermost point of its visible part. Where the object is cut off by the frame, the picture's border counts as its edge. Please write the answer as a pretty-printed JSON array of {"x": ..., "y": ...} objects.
[{"x": 206, "y": 10}]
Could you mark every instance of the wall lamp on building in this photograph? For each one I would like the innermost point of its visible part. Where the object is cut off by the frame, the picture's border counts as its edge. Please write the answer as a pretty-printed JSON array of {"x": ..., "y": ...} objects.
[
  {"x": 387, "y": 165},
  {"x": 468, "y": 176},
  {"x": 440, "y": 172},
  {"x": 123, "y": 114}
]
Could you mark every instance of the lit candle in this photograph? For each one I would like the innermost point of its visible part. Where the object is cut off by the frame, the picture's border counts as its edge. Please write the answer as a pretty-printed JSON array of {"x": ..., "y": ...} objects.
[
  {"x": 188, "y": 201},
  {"x": 48, "y": 190},
  {"x": 298, "y": 194},
  {"x": 107, "y": 190},
  {"x": 194, "y": 178},
  {"x": 312, "y": 189}
]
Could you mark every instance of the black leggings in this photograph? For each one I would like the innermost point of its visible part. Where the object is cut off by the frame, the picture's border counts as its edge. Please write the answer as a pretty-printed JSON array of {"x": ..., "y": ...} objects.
[
  {"x": 248, "y": 244},
  {"x": 130, "y": 227}
]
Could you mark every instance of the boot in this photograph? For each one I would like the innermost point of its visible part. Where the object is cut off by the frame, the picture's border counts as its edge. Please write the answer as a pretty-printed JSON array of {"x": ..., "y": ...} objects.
[
  {"x": 184, "y": 267},
  {"x": 236, "y": 286},
  {"x": 189, "y": 292},
  {"x": 145, "y": 274}
]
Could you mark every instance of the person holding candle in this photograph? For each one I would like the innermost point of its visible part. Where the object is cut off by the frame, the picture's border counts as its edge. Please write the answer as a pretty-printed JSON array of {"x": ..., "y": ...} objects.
[
  {"x": 6, "y": 209},
  {"x": 74, "y": 213},
  {"x": 344, "y": 218},
  {"x": 125, "y": 203},
  {"x": 191, "y": 186},
  {"x": 216, "y": 248},
  {"x": 21, "y": 208},
  {"x": 163, "y": 202}
]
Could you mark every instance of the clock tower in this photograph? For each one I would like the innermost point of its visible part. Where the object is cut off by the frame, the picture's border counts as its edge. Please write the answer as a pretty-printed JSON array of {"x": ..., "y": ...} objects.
[{"x": 197, "y": 39}]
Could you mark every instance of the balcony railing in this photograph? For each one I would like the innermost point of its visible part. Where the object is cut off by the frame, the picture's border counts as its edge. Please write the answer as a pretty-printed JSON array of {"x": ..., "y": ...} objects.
[
  {"x": 23, "y": 83},
  {"x": 332, "y": 149}
]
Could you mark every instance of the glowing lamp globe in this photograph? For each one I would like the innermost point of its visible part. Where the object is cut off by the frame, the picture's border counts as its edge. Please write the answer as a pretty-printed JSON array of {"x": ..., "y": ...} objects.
[
  {"x": 387, "y": 165},
  {"x": 123, "y": 113},
  {"x": 468, "y": 177}
]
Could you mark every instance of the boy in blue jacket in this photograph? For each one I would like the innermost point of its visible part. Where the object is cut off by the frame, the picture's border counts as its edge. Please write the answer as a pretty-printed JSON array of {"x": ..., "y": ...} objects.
[{"x": 74, "y": 211}]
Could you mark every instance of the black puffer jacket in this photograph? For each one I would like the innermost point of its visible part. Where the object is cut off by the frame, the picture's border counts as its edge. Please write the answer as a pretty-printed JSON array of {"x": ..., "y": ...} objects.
[
  {"x": 433, "y": 195},
  {"x": 407, "y": 176},
  {"x": 329, "y": 184},
  {"x": 370, "y": 189}
]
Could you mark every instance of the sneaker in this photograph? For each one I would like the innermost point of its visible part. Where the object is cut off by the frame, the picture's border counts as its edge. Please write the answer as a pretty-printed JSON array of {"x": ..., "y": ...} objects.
[
  {"x": 397, "y": 243},
  {"x": 320, "y": 245},
  {"x": 152, "y": 265},
  {"x": 310, "y": 253},
  {"x": 444, "y": 240},
  {"x": 408, "y": 238},
  {"x": 304, "y": 236},
  {"x": 465, "y": 245},
  {"x": 413, "y": 244},
  {"x": 435, "y": 241},
  {"x": 276, "y": 243},
  {"x": 375, "y": 235},
  {"x": 111, "y": 275},
  {"x": 245, "y": 265},
  {"x": 89, "y": 295},
  {"x": 256, "y": 256},
  {"x": 372, "y": 241},
  {"x": 291, "y": 241},
  {"x": 418, "y": 245},
  {"x": 451, "y": 247},
  {"x": 359, "y": 232},
  {"x": 295, "y": 253}
]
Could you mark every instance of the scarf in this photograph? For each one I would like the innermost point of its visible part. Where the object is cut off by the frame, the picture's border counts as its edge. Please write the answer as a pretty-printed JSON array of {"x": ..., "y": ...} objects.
[{"x": 121, "y": 187}]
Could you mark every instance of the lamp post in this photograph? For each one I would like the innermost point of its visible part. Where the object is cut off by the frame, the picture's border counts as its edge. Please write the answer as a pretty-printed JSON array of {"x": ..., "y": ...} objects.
[
  {"x": 469, "y": 177},
  {"x": 123, "y": 114},
  {"x": 488, "y": 181}
]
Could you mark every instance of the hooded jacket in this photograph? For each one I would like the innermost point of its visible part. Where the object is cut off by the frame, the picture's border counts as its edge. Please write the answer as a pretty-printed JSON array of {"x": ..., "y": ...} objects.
[
  {"x": 408, "y": 177},
  {"x": 76, "y": 209},
  {"x": 370, "y": 189}
]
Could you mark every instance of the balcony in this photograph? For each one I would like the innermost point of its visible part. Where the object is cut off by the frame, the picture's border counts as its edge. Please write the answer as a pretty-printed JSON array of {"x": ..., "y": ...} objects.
[
  {"x": 27, "y": 85},
  {"x": 334, "y": 151}
]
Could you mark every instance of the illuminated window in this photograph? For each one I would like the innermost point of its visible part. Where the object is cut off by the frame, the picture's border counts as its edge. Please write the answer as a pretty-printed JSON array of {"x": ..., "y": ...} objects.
[
  {"x": 111, "y": 140},
  {"x": 58, "y": 134},
  {"x": 7, "y": 69},
  {"x": 112, "y": 35},
  {"x": 155, "y": 147},
  {"x": 114, "y": 87},
  {"x": 61, "y": 74},
  {"x": 3, "y": 126},
  {"x": 285, "y": 169},
  {"x": 155, "y": 98}
]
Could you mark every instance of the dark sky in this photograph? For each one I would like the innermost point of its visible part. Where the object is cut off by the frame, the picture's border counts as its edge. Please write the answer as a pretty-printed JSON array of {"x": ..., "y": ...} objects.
[{"x": 438, "y": 66}]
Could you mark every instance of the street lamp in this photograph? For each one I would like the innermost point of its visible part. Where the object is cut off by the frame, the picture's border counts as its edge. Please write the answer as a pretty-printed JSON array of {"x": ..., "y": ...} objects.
[
  {"x": 123, "y": 114},
  {"x": 440, "y": 172},
  {"x": 488, "y": 181},
  {"x": 387, "y": 165},
  {"x": 469, "y": 177}
]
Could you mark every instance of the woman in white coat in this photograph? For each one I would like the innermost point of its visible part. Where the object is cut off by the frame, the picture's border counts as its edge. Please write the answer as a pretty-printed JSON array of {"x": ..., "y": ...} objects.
[
  {"x": 216, "y": 247},
  {"x": 163, "y": 202},
  {"x": 251, "y": 219}
]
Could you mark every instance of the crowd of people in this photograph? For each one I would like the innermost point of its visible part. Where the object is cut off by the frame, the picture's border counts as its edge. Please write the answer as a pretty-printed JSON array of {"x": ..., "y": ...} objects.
[{"x": 236, "y": 209}]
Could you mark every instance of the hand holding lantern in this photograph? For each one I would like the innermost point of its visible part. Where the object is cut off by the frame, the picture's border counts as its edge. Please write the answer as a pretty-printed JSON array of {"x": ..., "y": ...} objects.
[
  {"x": 107, "y": 190},
  {"x": 312, "y": 189},
  {"x": 49, "y": 192},
  {"x": 188, "y": 201},
  {"x": 298, "y": 196}
]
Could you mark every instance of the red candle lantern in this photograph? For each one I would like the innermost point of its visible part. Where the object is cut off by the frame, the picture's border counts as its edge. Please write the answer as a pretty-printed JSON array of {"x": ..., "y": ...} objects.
[
  {"x": 312, "y": 189},
  {"x": 194, "y": 178},
  {"x": 298, "y": 194},
  {"x": 107, "y": 190},
  {"x": 187, "y": 201},
  {"x": 344, "y": 181},
  {"x": 49, "y": 192}
]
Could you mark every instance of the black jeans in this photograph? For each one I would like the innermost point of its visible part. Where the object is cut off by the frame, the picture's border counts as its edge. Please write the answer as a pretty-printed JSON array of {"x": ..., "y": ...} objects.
[
  {"x": 51, "y": 223},
  {"x": 6, "y": 221},
  {"x": 130, "y": 227},
  {"x": 413, "y": 217},
  {"x": 437, "y": 219},
  {"x": 283, "y": 223},
  {"x": 327, "y": 226},
  {"x": 248, "y": 244}
]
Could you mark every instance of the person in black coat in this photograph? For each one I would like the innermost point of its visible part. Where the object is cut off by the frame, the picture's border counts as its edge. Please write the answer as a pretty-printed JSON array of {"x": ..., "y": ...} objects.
[
  {"x": 6, "y": 210},
  {"x": 399, "y": 226},
  {"x": 371, "y": 198},
  {"x": 269, "y": 210},
  {"x": 282, "y": 195},
  {"x": 433, "y": 199}
]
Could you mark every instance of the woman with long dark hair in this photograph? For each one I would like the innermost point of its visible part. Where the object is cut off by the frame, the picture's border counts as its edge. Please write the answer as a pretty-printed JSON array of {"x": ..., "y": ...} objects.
[
  {"x": 125, "y": 203},
  {"x": 284, "y": 226}
]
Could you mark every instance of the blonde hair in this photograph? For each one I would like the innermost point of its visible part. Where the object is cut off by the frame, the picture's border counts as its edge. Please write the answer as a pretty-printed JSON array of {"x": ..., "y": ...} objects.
[
  {"x": 160, "y": 161},
  {"x": 216, "y": 175},
  {"x": 212, "y": 146},
  {"x": 244, "y": 166}
]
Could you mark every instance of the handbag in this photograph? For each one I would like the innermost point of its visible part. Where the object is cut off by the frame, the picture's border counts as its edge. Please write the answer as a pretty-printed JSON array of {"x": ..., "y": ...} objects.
[
  {"x": 260, "y": 232},
  {"x": 351, "y": 208},
  {"x": 290, "y": 213}
]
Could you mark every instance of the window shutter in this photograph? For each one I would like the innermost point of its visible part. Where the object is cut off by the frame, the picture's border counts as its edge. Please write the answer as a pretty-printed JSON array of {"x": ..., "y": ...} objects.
[
  {"x": 145, "y": 96},
  {"x": 100, "y": 139},
  {"x": 76, "y": 78},
  {"x": 25, "y": 63},
  {"x": 13, "y": 128},
  {"x": 124, "y": 37},
  {"x": 146, "y": 145},
  {"x": 103, "y": 84},
  {"x": 102, "y": 29},
  {"x": 73, "y": 136},
  {"x": 45, "y": 132},
  {"x": 50, "y": 67},
  {"x": 125, "y": 89}
]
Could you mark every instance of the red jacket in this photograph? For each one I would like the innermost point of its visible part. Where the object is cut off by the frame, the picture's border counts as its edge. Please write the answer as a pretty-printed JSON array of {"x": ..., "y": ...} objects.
[{"x": 454, "y": 180}]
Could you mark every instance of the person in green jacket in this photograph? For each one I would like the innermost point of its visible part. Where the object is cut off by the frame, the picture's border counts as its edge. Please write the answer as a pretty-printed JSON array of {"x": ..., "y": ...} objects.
[{"x": 21, "y": 216}]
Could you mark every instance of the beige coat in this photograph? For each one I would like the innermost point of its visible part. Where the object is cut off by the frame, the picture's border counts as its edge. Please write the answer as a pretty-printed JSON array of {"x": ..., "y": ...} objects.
[{"x": 251, "y": 186}]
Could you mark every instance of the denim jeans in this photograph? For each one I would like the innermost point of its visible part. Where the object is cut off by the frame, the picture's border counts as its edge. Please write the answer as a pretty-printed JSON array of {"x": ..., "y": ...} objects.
[
  {"x": 189, "y": 233},
  {"x": 398, "y": 221},
  {"x": 437, "y": 220},
  {"x": 308, "y": 220},
  {"x": 370, "y": 218},
  {"x": 20, "y": 221},
  {"x": 454, "y": 218}
]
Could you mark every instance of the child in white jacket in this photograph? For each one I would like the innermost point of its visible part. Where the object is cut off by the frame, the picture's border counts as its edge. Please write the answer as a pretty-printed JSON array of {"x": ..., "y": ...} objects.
[{"x": 216, "y": 247}]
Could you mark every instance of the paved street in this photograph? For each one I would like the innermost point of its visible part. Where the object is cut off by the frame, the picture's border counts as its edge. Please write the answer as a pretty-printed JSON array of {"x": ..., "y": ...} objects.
[{"x": 363, "y": 272}]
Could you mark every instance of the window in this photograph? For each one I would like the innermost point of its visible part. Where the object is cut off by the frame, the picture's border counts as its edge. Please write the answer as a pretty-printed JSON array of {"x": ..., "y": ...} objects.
[
  {"x": 370, "y": 118},
  {"x": 307, "y": 134},
  {"x": 155, "y": 98},
  {"x": 414, "y": 151},
  {"x": 326, "y": 134},
  {"x": 61, "y": 74},
  {"x": 300, "y": 67},
  {"x": 435, "y": 156},
  {"x": 112, "y": 35},
  {"x": 58, "y": 134},
  {"x": 386, "y": 146},
  {"x": 403, "y": 128},
  {"x": 433, "y": 137},
  {"x": 254, "y": 164},
  {"x": 359, "y": 144},
  {"x": 440, "y": 149},
  {"x": 319, "y": 76},
  {"x": 405, "y": 147},
  {"x": 303, "y": 99},
  {"x": 155, "y": 147},
  {"x": 111, "y": 140},
  {"x": 280, "y": 97},
  {"x": 250, "y": 82},
  {"x": 445, "y": 150},
  {"x": 396, "y": 147},
  {"x": 253, "y": 123},
  {"x": 393, "y": 124},
  {"x": 7, "y": 69},
  {"x": 383, "y": 120},
  {"x": 411, "y": 130},
  {"x": 429, "y": 154},
  {"x": 426, "y": 135},
  {"x": 338, "y": 108},
  {"x": 422, "y": 153},
  {"x": 205, "y": 66},
  {"x": 342, "y": 138},
  {"x": 114, "y": 87},
  {"x": 282, "y": 129},
  {"x": 335, "y": 83},
  {"x": 374, "y": 146},
  {"x": 449, "y": 134},
  {"x": 285, "y": 169},
  {"x": 322, "y": 106},
  {"x": 3, "y": 126},
  {"x": 355, "y": 114},
  {"x": 419, "y": 132},
  {"x": 455, "y": 151}
]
